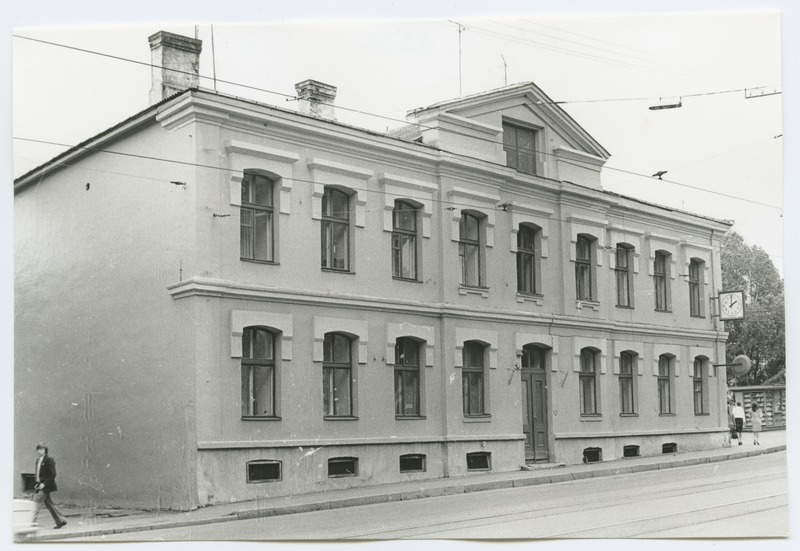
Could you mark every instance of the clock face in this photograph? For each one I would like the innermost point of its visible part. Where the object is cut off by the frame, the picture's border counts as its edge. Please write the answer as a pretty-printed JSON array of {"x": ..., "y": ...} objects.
[{"x": 731, "y": 305}]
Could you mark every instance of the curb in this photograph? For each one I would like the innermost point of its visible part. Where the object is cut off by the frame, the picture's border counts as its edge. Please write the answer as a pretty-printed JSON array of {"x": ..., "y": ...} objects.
[{"x": 408, "y": 495}]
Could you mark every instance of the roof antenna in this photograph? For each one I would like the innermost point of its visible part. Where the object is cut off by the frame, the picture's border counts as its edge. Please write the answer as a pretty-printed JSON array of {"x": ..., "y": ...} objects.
[
  {"x": 505, "y": 69},
  {"x": 213, "y": 58},
  {"x": 460, "y": 28}
]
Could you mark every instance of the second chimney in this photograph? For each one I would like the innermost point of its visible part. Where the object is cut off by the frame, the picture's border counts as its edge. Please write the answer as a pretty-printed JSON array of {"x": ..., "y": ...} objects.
[
  {"x": 316, "y": 98},
  {"x": 175, "y": 64}
]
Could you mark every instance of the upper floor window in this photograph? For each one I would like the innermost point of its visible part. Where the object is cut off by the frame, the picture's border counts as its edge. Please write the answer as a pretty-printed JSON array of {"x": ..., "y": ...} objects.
[
  {"x": 337, "y": 381},
  {"x": 469, "y": 250},
  {"x": 660, "y": 279},
  {"x": 335, "y": 230},
  {"x": 404, "y": 241},
  {"x": 472, "y": 378},
  {"x": 695, "y": 287},
  {"x": 665, "y": 384},
  {"x": 528, "y": 265},
  {"x": 624, "y": 272},
  {"x": 627, "y": 383},
  {"x": 406, "y": 377},
  {"x": 583, "y": 268},
  {"x": 520, "y": 146},
  {"x": 588, "y": 382},
  {"x": 258, "y": 373},
  {"x": 256, "y": 218}
]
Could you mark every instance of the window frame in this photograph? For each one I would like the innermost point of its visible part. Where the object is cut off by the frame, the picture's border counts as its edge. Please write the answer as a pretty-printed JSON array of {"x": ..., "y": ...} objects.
[
  {"x": 512, "y": 149},
  {"x": 666, "y": 370},
  {"x": 251, "y": 480},
  {"x": 476, "y": 244},
  {"x": 584, "y": 268},
  {"x": 587, "y": 378},
  {"x": 529, "y": 258},
  {"x": 248, "y": 372},
  {"x": 330, "y": 222},
  {"x": 700, "y": 386},
  {"x": 402, "y": 235},
  {"x": 249, "y": 205},
  {"x": 330, "y": 369},
  {"x": 627, "y": 362},
  {"x": 695, "y": 280},
  {"x": 401, "y": 370},
  {"x": 624, "y": 274},
  {"x": 473, "y": 374},
  {"x": 662, "y": 276}
]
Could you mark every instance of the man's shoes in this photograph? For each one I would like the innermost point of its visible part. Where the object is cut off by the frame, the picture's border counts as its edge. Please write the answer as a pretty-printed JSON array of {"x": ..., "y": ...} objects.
[
  {"x": 740, "y": 442},
  {"x": 60, "y": 524}
]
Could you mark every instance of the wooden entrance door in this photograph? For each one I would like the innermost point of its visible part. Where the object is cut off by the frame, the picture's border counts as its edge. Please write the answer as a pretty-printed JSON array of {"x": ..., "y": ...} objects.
[{"x": 534, "y": 405}]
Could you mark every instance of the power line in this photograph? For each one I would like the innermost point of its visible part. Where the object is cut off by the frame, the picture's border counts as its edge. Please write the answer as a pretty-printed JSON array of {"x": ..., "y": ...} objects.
[
  {"x": 198, "y": 165},
  {"x": 418, "y": 125}
]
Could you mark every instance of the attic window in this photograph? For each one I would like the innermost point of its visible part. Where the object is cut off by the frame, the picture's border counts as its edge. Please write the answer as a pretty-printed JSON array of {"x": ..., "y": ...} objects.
[{"x": 519, "y": 143}]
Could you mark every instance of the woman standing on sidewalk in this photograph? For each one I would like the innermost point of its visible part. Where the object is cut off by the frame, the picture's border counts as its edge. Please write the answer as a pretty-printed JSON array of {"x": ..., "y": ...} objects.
[{"x": 755, "y": 421}]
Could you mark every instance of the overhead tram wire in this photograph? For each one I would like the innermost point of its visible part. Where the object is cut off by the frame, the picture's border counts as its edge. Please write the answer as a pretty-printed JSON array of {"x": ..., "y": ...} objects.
[{"x": 419, "y": 125}]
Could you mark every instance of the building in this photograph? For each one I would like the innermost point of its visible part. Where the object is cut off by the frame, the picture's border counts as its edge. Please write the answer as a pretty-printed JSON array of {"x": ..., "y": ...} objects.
[{"x": 226, "y": 300}]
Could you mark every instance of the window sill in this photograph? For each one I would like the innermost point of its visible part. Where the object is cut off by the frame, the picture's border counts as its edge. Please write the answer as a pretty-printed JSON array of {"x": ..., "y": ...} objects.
[
  {"x": 698, "y": 317},
  {"x": 580, "y": 304},
  {"x": 409, "y": 417},
  {"x": 470, "y": 290},
  {"x": 662, "y": 311},
  {"x": 335, "y": 271},
  {"x": 260, "y": 418},
  {"x": 667, "y": 415},
  {"x": 485, "y": 418},
  {"x": 625, "y": 307},
  {"x": 257, "y": 261},
  {"x": 530, "y": 297},
  {"x": 339, "y": 418},
  {"x": 629, "y": 415},
  {"x": 702, "y": 414},
  {"x": 591, "y": 417},
  {"x": 406, "y": 279}
]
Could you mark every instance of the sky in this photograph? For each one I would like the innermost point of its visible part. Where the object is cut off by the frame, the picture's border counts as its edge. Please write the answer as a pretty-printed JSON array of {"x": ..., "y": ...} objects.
[{"x": 723, "y": 152}]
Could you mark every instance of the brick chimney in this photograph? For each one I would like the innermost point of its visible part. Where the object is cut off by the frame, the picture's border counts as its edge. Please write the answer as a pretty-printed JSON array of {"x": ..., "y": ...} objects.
[
  {"x": 316, "y": 98},
  {"x": 176, "y": 64}
]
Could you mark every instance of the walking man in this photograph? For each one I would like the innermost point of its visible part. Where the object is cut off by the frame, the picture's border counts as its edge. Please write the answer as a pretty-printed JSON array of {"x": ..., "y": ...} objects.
[
  {"x": 45, "y": 484},
  {"x": 738, "y": 418}
]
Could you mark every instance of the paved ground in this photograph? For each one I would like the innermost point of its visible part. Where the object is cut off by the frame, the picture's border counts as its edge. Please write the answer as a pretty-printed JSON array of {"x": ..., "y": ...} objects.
[{"x": 86, "y": 522}]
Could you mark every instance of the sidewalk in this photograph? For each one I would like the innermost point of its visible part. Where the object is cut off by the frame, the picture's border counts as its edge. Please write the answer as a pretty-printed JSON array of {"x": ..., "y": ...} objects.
[{"x": 88, "y": 522}]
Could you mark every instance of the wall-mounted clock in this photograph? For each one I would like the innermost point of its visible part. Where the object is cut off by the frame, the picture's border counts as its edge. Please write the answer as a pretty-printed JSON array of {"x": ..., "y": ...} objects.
[{"x": 731, "y": 305}]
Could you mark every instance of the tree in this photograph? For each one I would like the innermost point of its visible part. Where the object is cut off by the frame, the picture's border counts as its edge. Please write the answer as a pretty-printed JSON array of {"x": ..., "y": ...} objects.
[{"x": 761, "y": 335}]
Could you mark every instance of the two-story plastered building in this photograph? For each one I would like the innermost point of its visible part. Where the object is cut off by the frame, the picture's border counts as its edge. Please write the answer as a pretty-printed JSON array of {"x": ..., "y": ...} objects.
[{"x": 218, "y": 300}]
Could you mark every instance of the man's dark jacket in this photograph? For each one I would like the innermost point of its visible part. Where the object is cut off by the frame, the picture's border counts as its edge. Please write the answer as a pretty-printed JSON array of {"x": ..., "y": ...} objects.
[{"x": 47, "y": 474}]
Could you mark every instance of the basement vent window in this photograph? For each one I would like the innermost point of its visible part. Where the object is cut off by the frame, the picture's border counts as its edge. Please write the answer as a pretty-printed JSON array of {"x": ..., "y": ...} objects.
[
  {"x": 592, "y": 455},
  {"x": 479, "y": 461},
  {"x": 342, "y": 466},
  {"x": 412, "y": 463},
  {"x": 671, "y": 447},
  {"x": 630, "y": 451},
  {"x": 263, "y": 471}
]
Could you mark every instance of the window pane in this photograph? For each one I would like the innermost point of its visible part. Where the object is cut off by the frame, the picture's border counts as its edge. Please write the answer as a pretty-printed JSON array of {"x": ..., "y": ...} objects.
[
  {"x": 626, "y": 393},
  {"x": 587, "y": 361},
  {"x": 526, "y": 273},
  {"x": 623, "y": 294},
  {"x": 327, "y": 390},
  {"x": 247, "y": 233},
  {"x": 410, "y": 385},
  {"x": 404, "y": 256},
  {"x": 341, "y": 392},
  {"x": 472, "y": 386},
  {"x": 262, "y": 191},
  {"x": 587, "y": 394},
  {"x": 335, "y": 204},
  {"x": 583, "y": 282},
  {"x": 663, "y": 366},
  {"x": 339, "y": 245},
  {"x": 468, "y": 227},
  {"x": 263, "y": 236},
  {"x": 525, "y": 139},
  {"x": 470, "y": 264},
  {"x": 583, "y": 250},
  {"x": 661, "y": 293},
  {"x": 532, "y": 357},
  {"x": 526, "y": 163},
  {"x": 262, "y": 345},
  {"x": 404, "y": 217},
  {"x": 625, "y": 364},
  {"x": 263, "y": 390},
  {"x": 472, "y": 354}
]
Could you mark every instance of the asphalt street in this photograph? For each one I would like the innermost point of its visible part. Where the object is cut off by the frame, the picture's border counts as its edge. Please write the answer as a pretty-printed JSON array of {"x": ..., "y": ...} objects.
[{"x": 731, "y": 499}]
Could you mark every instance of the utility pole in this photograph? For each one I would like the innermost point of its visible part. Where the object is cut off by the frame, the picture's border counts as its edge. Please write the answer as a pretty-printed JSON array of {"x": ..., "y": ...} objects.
[{"x": 460, "y": 28}]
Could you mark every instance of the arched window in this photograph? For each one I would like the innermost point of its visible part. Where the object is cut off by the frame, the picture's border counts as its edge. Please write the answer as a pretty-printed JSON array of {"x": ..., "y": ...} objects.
[
  {"x": 627, "y": 383},
  {"x": 469, "y": 250},
  {"x": 584, "y": 273},
  {"x": 528, "y": 252},
  {"x": 335, "y": 230},
  {"x": 256, "y": 218},
  {"x": 258, "y": 373},
  {"x": 404, "y": 240},
  {"x": 472, "y": 378},
  {"x": 695, "y": 287},
  {"x": 407, "y": 377},
  {"x": 665, "y": 373},
  {"x": 661, "y": 281},
  {"x": 588, "y": 382},
  {"x": 337, "y": 381},
  {"x": 624, "y": 272}
]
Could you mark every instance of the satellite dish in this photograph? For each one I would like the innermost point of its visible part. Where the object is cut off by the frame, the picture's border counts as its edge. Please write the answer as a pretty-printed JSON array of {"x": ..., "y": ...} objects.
[{"x": 740, "y": 365}]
